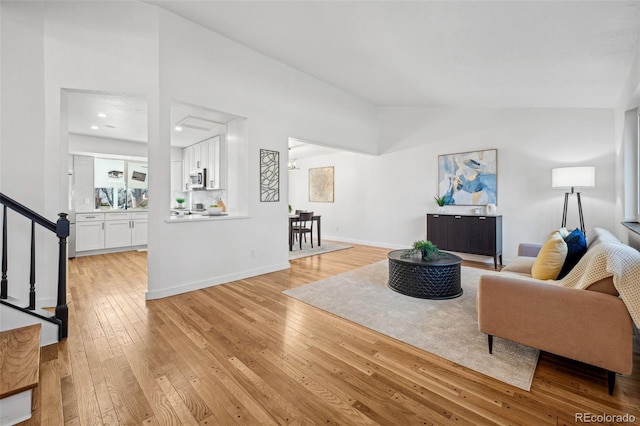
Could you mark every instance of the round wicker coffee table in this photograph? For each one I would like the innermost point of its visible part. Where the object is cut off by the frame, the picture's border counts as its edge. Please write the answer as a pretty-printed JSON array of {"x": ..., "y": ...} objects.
[{"x": 438, "y": 278}]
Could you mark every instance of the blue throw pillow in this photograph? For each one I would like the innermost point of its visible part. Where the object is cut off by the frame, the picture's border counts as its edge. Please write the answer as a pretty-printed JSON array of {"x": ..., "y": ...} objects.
[{"x": 576, "y": 248}]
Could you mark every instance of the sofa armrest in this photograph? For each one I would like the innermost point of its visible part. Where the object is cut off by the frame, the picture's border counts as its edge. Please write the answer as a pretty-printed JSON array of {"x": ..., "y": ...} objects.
[
  {"x": 587, "y": 326},
  {"x": 529, "y": 249}
]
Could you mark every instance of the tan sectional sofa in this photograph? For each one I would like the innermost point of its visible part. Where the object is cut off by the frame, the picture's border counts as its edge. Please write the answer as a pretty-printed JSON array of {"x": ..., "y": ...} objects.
[{"x": 592, "y": 326}]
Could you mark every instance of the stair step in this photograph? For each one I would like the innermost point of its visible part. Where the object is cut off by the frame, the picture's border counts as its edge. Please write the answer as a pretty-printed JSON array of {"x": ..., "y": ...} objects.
[
  {"x": 19, "y": 360},
  {"x": 23, "y": 306}
]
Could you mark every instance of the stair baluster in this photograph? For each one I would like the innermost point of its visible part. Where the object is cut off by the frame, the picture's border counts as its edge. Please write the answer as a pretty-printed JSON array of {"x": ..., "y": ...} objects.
[
  {"x": 61, "y": 229},
  {"x": 32, "y": 273},
  {"x": 62, "y": 311},
  {"x": 4, "y": 282}
]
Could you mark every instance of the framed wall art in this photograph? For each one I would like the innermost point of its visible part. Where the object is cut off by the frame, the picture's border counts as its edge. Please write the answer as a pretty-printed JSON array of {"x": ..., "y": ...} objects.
[
  {"x": 269, "y": 176},
  {"x": 469, "y": 178},
  {"x": 321, "y": 185}
]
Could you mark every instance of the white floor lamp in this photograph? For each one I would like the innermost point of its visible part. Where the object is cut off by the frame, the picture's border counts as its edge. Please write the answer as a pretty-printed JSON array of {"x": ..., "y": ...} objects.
[{"x": 573, "y": 177}]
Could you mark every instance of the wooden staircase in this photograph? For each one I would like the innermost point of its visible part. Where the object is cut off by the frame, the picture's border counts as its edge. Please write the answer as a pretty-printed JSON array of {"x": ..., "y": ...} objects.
[
  {"x": 15, "y": 313},
  {"x": 19, "y": 372}
]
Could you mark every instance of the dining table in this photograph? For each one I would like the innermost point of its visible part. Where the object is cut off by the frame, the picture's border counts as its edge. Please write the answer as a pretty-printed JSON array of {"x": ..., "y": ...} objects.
[{"x": 293, "y": 218}]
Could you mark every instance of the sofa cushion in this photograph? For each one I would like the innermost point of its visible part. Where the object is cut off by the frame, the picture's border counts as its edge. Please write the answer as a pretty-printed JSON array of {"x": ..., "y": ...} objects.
[
  {"x": 520, "y": 265},
  {"x": 605, "y": 286},
  {"x": 600, "y": 235},
  {"x": 576, "y": 248},
  {"x": 551, "y": 258}
]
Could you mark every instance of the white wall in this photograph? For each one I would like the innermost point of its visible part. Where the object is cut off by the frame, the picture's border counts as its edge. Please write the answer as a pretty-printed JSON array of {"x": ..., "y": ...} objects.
[
  {"x": 21, "y": 136},
  {"x": 135, "y": 48},
  {"x": 627, "y": 150},
  {"x": 87, "y": 145},
  {"x": 202, "y": 68},
  {"x": 46, "y": 47},
  {"x": 124, "y": 47},
  {"x": 382, "y": 200}
]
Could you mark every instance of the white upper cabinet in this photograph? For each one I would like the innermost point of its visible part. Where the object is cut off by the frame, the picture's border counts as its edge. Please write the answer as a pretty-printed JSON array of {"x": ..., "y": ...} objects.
[
  {"x": 203, "y": 155},
  {"x": 186, "y": 167},
  {"x": 213, "y": 169}
]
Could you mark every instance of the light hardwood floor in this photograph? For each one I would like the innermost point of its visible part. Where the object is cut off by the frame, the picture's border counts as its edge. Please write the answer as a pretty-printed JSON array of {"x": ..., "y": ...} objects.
[{"x": 244, "y": 353}]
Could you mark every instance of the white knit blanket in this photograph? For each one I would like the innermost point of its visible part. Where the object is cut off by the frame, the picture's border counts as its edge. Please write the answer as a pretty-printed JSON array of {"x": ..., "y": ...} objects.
[{"x": 608, "y": 259}]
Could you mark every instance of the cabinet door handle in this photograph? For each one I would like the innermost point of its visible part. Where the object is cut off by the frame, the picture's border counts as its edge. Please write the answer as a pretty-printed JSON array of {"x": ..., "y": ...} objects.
[
  {"x": 103, "y": 226},
  {"x": 458, "y": 217},
  {"x": 133, "y": 224},
  {"x": 436, "y": 215},
  {"x": 482, "y": 218},
  {"x": 89, "y": 217}
]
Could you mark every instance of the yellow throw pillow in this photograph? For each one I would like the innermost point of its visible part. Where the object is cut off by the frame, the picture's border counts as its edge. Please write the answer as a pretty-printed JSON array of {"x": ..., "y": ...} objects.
[{"x": 552, "y": 255}]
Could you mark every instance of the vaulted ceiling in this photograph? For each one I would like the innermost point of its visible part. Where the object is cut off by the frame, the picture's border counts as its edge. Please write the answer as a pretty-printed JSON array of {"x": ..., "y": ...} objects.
[
  {"x": 442, "y": 53},
  {"x": 566, "y": 54}
]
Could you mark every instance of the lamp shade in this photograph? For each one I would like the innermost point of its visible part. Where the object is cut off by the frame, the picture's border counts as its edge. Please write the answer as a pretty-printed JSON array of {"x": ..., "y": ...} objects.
[{"x": 572, "y": 177}]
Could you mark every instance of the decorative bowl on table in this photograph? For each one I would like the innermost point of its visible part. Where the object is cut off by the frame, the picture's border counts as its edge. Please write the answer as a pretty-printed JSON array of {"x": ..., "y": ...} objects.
[{"x": 214, "y": 210}]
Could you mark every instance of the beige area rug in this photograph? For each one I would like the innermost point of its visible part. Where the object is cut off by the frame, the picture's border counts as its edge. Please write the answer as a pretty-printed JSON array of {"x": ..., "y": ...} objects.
[
  {"x": 307, "y": 250},
  {"x": 447, "y": 328}
]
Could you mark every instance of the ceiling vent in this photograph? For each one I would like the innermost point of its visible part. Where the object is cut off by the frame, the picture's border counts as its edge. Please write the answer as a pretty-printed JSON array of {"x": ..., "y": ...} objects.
[{"x": 197, "y": 123}]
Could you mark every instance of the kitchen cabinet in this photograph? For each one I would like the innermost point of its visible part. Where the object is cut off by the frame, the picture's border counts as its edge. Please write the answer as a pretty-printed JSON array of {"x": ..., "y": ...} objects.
[
  {"x": 186, "y": 167},
  {"x": 89, "y": 231},
  {"x": 200, "y": 155},
  {"x": 213, "y": 163},
  {"x": 196, "y": 156},
  {"x": 467, "y": 234},
  {"x": 117, "y": 230},
  {"x": 113, "y": 230},
  {"x": 203, "y": 155},
  {"x": 139, "y": 227}
]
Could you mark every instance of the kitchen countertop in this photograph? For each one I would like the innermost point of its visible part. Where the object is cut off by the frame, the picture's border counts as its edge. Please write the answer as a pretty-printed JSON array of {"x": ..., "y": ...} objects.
[
  {"x": 113, "y": 211},
  {"x": 201, "y": 218}
]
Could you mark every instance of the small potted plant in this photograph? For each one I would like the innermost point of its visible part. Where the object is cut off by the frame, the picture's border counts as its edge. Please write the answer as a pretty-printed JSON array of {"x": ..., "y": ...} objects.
[
  {"x": 442, "y": 201},
  {"x": 180, "y": 202},
  {"x": 426, "y": 248}
]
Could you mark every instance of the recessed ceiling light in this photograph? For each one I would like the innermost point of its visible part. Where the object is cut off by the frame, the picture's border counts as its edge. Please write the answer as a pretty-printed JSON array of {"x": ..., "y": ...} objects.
[
  {"x": 95, "y": 127},
  {"x": 102, "y": 115},
  {"x": 178, "y": 128}
]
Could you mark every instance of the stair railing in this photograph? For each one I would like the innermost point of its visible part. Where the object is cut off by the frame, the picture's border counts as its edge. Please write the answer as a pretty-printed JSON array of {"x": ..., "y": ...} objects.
[{"x": 61, "y": 229}]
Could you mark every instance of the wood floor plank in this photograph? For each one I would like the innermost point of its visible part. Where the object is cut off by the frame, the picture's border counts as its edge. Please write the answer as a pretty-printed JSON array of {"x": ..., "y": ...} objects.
[
  {"x": 51, "y": 394},
  {"x": 243, "y": 353}
]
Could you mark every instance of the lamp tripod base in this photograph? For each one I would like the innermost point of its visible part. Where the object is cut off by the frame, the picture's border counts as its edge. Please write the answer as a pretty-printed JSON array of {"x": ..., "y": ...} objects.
[{"x": 564, "y": 211}]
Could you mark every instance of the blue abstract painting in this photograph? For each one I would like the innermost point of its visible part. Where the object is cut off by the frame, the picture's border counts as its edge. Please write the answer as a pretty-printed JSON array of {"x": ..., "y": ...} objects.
[{"x": 469, "y": 178}]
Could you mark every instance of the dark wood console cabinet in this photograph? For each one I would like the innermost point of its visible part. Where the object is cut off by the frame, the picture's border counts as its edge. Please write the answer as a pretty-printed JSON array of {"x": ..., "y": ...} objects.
[{"x": 467, "y": 234}]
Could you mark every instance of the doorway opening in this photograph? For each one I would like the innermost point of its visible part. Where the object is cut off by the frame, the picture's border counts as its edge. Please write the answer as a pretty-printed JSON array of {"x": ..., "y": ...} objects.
[{"x": 108, "y": 175}]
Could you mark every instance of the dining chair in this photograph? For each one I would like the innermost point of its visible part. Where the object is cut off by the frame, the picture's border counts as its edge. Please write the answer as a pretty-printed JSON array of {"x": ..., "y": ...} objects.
[
  {"x": 304, "y": 226},
  {"x": 295, "y": 223}
]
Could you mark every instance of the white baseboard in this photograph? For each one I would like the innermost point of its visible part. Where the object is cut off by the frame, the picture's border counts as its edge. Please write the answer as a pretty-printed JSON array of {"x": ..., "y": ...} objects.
[
  {"x": 364, "y": 242},
  {"x": 465, "y": 256},
  {"x": 184, "y": 288}
]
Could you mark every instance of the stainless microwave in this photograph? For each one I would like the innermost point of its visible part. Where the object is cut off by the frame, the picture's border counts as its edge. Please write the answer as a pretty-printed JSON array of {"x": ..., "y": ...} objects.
[{"x": 197, "y": 179}]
